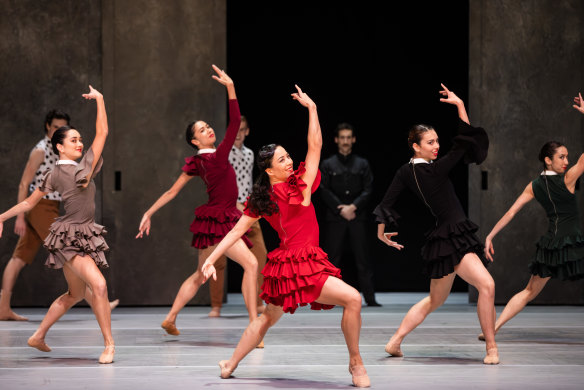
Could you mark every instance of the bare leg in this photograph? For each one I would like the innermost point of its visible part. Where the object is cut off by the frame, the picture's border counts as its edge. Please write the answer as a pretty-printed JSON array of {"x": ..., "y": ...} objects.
[
  {"x": 59, "y": 307},
  {"x": 84, "y": 267},
  {"x": 216, "y": 287},
  {"x": 337, "y": 292},
  {"x": 240, "y": 253},
  {"x": 252, "y": 335},
  {"x": 472, "y": 271},
  {"x": 11, "y": 272},
  {"x": 259, "y": 251},
  {"x": 89, "y": 299},
  {"x": 439, "y": 290}
]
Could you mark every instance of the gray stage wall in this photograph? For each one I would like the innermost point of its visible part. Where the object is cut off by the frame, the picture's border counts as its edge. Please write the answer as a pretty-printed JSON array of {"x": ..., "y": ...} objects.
[
  {"x": 152, "y": 60},
  {"x": 526, "y": 65}
]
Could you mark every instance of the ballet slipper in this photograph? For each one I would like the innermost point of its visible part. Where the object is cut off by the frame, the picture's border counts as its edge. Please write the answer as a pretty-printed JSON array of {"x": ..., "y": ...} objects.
[
  {"x": 113, "y": 304},
  {"x": 261, "y": 344},
  {"x": 170, "y": 328},
  {"x": 11, "y": 316},
  {"x": 225, "y": 373},
  {"x": 492, "y": 356},
  {"x": 107, "y": 356},
  {"x": 38, "y": 344},
  {"x": 359, "y": 380},
  {"x": 393, "y": 350},
  {"x": 481, "y": 337},
  {"x": 215, "y": 311}
]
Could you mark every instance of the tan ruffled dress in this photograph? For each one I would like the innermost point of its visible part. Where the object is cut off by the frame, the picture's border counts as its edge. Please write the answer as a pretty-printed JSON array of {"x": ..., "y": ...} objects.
[{"x": 75, "y": 233}]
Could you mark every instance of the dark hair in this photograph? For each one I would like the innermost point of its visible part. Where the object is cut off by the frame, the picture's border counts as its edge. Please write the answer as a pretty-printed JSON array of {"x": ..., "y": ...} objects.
[
  {"x": 416, "y": 133},
  {"x": 244, "y": 119},
  {"x": 190, "y": 135},
  {"x": 548, "y": 150},
  {"x": 55, "y": 114},
  {"x": 344, "y": 126},
  {"x": 59, "y": 136},
  {"x": 260, "y": 201}
]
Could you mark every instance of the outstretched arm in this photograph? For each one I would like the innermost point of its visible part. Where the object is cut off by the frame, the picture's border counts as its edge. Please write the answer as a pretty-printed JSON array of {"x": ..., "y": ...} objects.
[
  {"x": 240, "y": 228},
  {"x": 234, "y": 115},
  {"x": 22, "y": 207},
  {"x": 164, "y": 199},
  {"x": 451, "y": 98},
  {"x": 101, "y": 128},
  {"x": 314, "y": 143},
  {"x": 523, "y": 199},
  {"x": 574, "y": 173}
]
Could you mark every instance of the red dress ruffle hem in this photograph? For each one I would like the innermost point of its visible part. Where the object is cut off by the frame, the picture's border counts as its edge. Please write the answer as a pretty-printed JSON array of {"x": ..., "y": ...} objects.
[{"x": 296, "y": 271}]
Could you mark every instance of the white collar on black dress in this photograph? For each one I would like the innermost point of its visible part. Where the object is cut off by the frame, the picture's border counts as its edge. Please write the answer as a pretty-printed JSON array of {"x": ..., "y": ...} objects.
[
  {"x": 204, "y": 151},
  {"x": 549, "y": 173},
  {"x": 67, "y": 162},
  {"x": 419, "y": 161}
]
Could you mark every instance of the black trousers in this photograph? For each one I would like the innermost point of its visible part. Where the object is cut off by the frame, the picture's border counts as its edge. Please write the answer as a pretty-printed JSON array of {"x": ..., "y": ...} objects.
[{"x": 334, "y": 237}]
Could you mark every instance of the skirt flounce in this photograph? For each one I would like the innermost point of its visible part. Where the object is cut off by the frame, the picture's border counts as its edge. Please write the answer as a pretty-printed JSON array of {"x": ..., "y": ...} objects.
[
  {"x": 447, "y": 245},
  {"x": 211, "y": 224},
  {"x": 559, "y": 257},
  {"x": 295, "y": 277},
  {"x": 66, "y": 241}
]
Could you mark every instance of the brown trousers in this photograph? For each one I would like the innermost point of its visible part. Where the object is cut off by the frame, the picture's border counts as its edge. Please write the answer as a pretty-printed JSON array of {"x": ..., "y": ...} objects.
[
  {"x": 216, "y": 287},
  {"x": 38, "y": 221}
]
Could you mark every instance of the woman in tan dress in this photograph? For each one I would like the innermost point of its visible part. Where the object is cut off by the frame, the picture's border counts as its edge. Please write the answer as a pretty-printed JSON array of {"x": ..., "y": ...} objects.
[{"x": 75, "y": 241}]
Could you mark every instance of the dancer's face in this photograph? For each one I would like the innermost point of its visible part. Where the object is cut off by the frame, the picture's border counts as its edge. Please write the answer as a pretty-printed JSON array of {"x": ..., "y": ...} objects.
[
  {"x": 55, "y": 124},
  {"x": 204, "y": 136},
  {"x": 72, "y": 147},
  {"x": 281, "y": 166},
  {"x": 345, "y": 141},
  {"x": 428, "y": 146},
  {"x": 559, "y": 162},
  {"x": 241, "y": 134}
]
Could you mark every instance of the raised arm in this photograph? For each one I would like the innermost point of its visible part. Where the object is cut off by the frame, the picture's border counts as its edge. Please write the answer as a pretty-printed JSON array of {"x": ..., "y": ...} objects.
[
  {"x": 451, "y": 98},
  {"x": 521, "y": 201},
  {"x": 240, "y": 228},
  {"x": 574, "y": 173},
  {"x": 37, "y": 156},
  {"x": 101, "y": 128},
  {"x": 164, "y": 199},
  {"x": 314, "y": 139},
  {"x": 22, "y": 207}
]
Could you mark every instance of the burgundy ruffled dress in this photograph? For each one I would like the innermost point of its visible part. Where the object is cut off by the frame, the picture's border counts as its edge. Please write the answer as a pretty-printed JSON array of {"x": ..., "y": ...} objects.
[
  {"x": 75, "y": 233},
  {"x": 297, "y": 270},
  {"x": 454, "y": 234},
  {"x": 217, "y": 217}
]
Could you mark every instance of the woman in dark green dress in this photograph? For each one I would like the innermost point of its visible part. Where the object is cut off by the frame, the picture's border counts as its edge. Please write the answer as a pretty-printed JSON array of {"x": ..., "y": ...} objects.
[{"x": 560, "y": 251}]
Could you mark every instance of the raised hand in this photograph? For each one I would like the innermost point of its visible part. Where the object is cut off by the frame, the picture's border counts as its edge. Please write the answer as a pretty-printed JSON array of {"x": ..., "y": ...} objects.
[
  {"x": 93, "y": 94},
  {"x": 302, "y": 98},
  {"x": 386, "y": 238},
  {"x": 144, "y": 226},
  {"x": 449, "y": 96},
  {"x": 222, "y": 76},
  {"x": 209, "y": 271},
  {"x": 489, "y": 250},
  {"x": 579, "y": 103}
]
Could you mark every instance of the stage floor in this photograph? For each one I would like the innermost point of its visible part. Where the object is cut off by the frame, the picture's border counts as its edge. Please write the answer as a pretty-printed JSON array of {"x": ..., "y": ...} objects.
[{"x": 542, "y": 348}]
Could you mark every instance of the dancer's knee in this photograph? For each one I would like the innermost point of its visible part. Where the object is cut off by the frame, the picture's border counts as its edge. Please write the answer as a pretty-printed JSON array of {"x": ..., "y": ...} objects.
[
  {"x": 487, "y": 288},
  {"x": 354, "y": 301},
  {"x": 72, "y": 297},
  {"x": 99, "y": 288}
]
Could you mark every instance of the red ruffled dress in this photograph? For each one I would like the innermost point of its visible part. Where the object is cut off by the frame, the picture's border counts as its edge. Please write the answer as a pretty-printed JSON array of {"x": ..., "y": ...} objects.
[
  {"x": 296, "y": 271},
  {"x": 217, "y": 217}
]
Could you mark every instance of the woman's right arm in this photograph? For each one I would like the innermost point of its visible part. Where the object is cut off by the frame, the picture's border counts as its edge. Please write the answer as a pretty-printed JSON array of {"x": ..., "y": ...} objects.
[
  {"x": 22, "y": 207},
  {"x": 523, "y": 199},
  {"x": 240, "y": 228},
  {"x": 384, "y": 213},
  {"x": 164, "y": 199}
]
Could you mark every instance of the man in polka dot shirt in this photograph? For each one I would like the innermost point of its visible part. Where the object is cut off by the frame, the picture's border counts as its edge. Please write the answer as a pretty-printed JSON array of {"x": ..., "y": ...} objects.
[
  {"x": 34, "y": 226},
  {"x": 241, "y": 159}
]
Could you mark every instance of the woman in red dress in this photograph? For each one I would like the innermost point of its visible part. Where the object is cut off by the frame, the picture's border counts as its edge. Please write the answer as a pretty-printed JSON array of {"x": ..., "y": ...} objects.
[
  {"x": 215, "y": 218},
  {"x": 298, "y": 273}
]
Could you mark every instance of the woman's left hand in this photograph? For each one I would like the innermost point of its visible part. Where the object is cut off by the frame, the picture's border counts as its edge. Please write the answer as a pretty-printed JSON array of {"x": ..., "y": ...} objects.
[
  {"x": 450, "y": 97},
  {"x": 302, "y": 98},
  {"x": 93, "y": 94},
  {"x": 579, "y": 103},
  {"x": 209, "y": 271},
  {"x": 222, "y": 76}
]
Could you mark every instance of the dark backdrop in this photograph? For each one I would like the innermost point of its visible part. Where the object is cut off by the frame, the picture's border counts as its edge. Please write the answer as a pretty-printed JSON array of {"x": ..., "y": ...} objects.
[{"x": 378, "y": 67}]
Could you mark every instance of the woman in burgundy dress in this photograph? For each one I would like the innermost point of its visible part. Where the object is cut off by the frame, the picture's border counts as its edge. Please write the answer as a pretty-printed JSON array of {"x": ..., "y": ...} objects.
[
  {"x": 214, "y": 219},
  {"x": 451, "y": 246},
  {"x": 298, "y": 273}
]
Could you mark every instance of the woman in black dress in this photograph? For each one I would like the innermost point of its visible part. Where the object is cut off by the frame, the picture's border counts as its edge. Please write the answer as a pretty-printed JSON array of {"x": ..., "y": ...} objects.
[{"x": 451, "y": 246}]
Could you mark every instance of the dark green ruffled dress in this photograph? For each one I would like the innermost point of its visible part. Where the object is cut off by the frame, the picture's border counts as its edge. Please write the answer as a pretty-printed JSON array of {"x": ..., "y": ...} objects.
[{"x": 560, "y": 251}]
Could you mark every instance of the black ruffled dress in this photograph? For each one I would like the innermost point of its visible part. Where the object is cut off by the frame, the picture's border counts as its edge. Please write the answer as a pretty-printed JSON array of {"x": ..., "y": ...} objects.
[{"x": 454, "y": 235}]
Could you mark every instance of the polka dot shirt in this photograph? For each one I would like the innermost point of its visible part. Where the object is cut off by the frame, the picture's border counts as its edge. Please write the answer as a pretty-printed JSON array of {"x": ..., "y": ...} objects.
[
  {"x": 48, "y": 163},
  {"x": 242, "y": 162}
]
